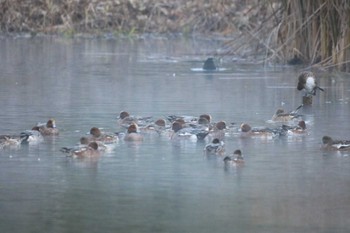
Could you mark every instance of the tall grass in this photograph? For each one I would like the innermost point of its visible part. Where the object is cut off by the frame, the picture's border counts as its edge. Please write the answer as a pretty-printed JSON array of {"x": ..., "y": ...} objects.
[
  {"x": 316, "y": 31},
  {"x": 141, "y": 16}
]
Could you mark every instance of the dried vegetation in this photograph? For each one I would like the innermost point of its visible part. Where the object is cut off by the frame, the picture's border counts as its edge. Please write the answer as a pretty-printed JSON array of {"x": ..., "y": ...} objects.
[
  {"x": 317, "y": 31},
  {"x": 139, "y": 16},
  {"x": 308, "y": 32}
]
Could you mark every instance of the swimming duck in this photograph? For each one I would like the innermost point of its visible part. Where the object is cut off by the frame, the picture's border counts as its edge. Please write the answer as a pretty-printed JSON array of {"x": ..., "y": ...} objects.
[
  {"x": 186, "y": 120},
  {"x": 182, "y": 131},
  {"x": 295, "y": 130},
  {"x": 32, "y": 136},
  {"x": 248, "y": 131},
  {"x": 281, "y": 116},
  {"x": 10, "y": 141},
  {"x": 217, "y": 130},
  {"x": 84, "y": 142},
  {"x": 215, "y": 147},
  {"x": 330, "y": 144},
  {"x": 84, "y": 151},
  {"x": 48, "y": 128},
  {"x": 159, "y": 126},
  {"x": 125, "y": 119},
  {"x": 307, "y": 82},
  {"x": 204, "y": 119},
  {"x": 133, "y": 134},
  {"x": 209, "y": 64},
  {"x": 237, "y": 158},
  {"x": 98, "y": 136},
  {"x": 103, "y": 147},
  {"x": 201, "y": 128}
]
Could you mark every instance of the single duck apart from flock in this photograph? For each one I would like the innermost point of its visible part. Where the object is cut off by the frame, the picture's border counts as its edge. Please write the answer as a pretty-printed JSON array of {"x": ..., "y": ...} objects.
[
  {"x": 209, "y": 64},
  {"x": 331, "y": 144},
  {"x": 307, "y": 82},
  {"x": 236, "y": 158}
]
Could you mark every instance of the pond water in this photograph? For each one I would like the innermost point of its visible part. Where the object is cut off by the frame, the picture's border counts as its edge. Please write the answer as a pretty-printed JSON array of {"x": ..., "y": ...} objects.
[{"x": 286, "y": 184}]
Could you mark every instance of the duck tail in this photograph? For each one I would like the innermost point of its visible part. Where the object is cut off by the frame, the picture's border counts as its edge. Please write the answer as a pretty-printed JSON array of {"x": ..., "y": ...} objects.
[
  {"x": 201, "y": 135},
  {"x": 319, "y": 88},
  {"x": 65, "y": 150},
  {"x": 294, "y": 113},
  {"x": 297, "y": 109},
  {"x": 25, "y": 137}
]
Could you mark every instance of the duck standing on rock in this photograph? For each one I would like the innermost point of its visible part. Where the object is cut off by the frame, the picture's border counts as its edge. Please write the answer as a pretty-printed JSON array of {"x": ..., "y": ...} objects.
[{"x": 307, "y": 82}]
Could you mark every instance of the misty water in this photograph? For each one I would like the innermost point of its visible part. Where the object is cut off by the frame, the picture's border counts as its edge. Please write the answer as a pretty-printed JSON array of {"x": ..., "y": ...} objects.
[{"x": 287, "y": 184}]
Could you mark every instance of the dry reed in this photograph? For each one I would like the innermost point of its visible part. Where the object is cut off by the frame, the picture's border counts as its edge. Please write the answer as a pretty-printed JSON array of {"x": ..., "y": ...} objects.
[
  {"x": 142, "y": 16},
  {"x": 314, "y": 32},
  {"x": 317, "y": 32}
]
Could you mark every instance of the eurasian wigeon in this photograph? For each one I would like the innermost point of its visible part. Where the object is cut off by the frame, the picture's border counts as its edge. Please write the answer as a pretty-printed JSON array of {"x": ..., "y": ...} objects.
[
  {"x": 204, "y": 119},
  {"x": 295, "y": 130},
  {"x": 218, "y": 130},
  {"x": 84, "y": 151},
  {"x": 125, "y": 119},
  {"x": 282, "y": 116},
  {"x": 330, "y": 144},
  {"x": 103, "y": 147},
  {"x": 182, "y": 131},
  {"x": 248, "y": 131},
  {"x": 133, "y": 134},
  {"x": 10, "y": 141},
  {"x": 99, "y": 136},
  {"x": 201, "y": 127},
  {"x": 182, "y": 118},
  {"x": 32, "y": 136},
  {"x": 215, "y": 147},
  {"x": 159, "y": 126},
  {"x": 236, "y": 158},
  {"x": 47, "y": 129},
  {"x": 307, "y": 82}
]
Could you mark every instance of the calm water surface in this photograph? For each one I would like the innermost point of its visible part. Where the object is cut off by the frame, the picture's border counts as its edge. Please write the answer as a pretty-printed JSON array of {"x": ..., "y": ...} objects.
[{"x": 286, "y": 184}]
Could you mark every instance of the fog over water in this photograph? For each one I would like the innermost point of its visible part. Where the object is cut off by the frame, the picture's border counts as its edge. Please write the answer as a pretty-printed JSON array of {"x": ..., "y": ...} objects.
[{"x": 287, "y": 184}]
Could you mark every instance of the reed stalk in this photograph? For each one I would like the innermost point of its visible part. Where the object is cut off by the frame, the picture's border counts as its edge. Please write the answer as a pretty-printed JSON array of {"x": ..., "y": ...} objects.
[
  {"x": 319, "y": 30},
  {"x": 315, "y": 31}
]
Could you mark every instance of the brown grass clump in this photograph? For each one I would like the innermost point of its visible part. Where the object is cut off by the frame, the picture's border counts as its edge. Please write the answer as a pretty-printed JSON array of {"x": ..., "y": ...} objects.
[
  {"x": 308, "y": 32},
  {"x": 317, "y": 31},
  {"x": 160, "y": 16}
]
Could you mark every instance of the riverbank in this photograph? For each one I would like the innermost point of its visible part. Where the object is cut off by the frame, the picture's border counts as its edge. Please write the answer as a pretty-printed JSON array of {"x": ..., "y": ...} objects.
[
  {"x": 131, "y": 18},
  {"x": 128, "y": 16},
  {"x": 271, "y": 31}
]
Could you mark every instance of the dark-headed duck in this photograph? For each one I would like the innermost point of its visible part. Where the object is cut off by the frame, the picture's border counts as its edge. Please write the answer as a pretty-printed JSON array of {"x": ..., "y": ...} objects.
[{"x": 307, "y": 82}]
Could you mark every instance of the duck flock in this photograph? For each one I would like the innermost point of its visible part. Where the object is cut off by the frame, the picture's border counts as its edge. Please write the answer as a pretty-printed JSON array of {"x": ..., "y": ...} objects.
[{"x": 176, "y": 127}]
